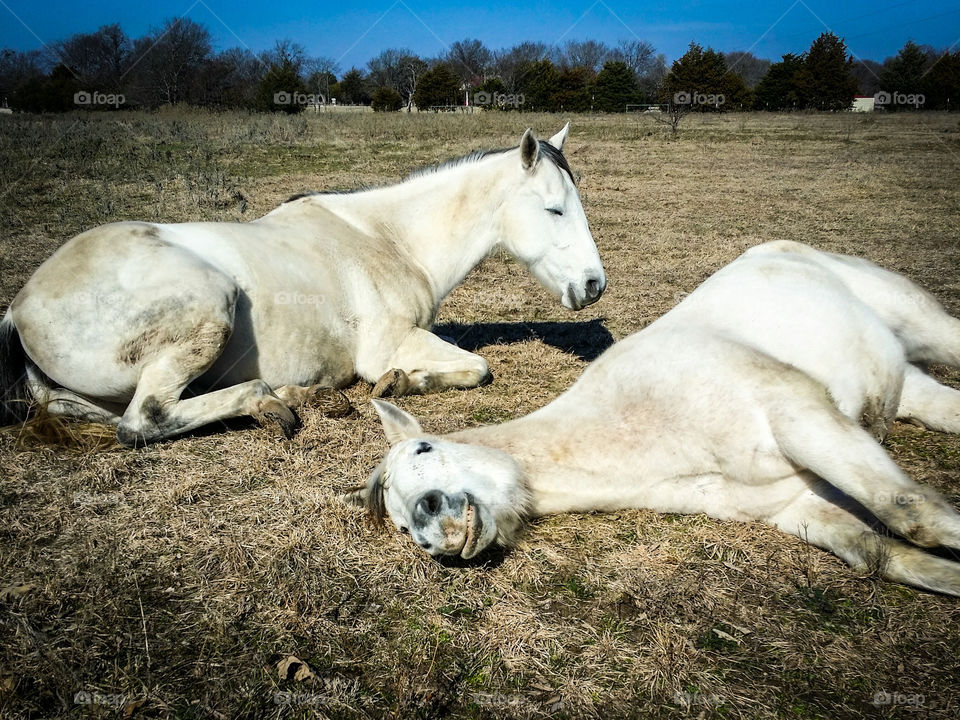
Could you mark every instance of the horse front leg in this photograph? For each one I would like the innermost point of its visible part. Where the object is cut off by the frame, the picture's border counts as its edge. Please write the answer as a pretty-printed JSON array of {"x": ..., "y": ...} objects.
[{"x": 424, "y": 363}]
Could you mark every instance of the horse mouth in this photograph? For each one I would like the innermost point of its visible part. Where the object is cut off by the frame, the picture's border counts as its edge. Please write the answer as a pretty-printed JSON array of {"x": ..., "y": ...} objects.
[{"x": 471, "y": 534}]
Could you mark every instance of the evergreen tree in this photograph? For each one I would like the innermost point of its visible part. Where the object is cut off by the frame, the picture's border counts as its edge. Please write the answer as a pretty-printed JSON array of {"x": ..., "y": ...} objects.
[
  {"x": 440, "y": 86},
  {"x": 942, "y": 83},
  {"x": 615, "y": 87},
  {"x": 279, "y": 87},
  {"x": 573, "y": 90},
  {"x": 386, "y": 99},
  {"x": 905, "y": 72},
  {"x": 778, "y": 88},
  {"x": 352, "y": 89},
  {"x": 54, "y": 93},
  {"x": 539, "y": 82},
  {"x": 701, "y": 75},
  {"x": 826, "y": 80}
]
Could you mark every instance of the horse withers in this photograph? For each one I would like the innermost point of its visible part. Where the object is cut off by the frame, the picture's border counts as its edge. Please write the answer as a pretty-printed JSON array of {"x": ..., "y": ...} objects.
[{"x": 163, "y": 328}]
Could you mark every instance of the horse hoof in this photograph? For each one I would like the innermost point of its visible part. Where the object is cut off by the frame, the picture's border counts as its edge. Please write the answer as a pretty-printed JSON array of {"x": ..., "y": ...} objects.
[
  {"x": 393, "y": 383},
  {"x": 330, "y": 402},
  {"x": 288, "y": 420}
]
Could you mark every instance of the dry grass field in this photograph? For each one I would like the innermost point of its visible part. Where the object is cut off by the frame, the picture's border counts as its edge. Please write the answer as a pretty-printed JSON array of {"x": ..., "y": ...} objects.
[{"x": 176, "y": 580}]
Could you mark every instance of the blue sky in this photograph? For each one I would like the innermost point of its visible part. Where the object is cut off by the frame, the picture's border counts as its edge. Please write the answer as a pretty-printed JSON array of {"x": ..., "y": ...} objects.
[{"x": 352, "y": 33}]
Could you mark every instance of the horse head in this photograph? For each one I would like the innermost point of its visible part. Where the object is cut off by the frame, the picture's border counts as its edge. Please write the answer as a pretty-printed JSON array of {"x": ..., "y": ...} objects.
[
  {"x": 543, "y": 224},
  {"x": 452, "y": 498}
]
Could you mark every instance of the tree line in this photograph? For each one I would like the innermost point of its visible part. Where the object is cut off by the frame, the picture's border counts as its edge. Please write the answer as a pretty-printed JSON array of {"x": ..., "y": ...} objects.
[{"x": 175, "y": 64}]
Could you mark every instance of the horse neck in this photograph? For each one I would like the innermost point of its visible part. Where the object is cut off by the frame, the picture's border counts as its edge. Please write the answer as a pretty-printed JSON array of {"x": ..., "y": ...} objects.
[
  {"x": 443, "y": 220},
  {"x": 561, "y": 468}
]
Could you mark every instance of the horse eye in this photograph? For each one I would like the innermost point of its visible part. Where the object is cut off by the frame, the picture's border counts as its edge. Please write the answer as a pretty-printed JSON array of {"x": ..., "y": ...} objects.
[
  {"x": 555, "y": 211},
  {"x": 424, "y": 447},
  {"x": 405, "y": 531}
]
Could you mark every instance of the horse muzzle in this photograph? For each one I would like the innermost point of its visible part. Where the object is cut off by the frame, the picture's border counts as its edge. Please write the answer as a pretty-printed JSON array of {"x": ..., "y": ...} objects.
[{"x": 578, "y": 298}]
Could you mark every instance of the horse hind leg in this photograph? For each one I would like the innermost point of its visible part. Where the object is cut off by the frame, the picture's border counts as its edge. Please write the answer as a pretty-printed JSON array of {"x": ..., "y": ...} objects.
[
  {"x": 175, "y": 358},
  {"x": 929, "y": 404},
  {"x": 66, "y": 403},
  {"x": 814, "y": 436},
  {"x": 926, "y": 331},
  {"x": 827, "y": 522},
  {"x": 929, "y": 334}
]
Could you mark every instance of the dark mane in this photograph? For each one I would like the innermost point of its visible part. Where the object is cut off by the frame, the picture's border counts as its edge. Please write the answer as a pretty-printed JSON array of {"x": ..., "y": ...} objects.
[
  {"x": 557, "y": 157},
  {"x": 375, "y": 504},
  {"x": 471, "y": 157},
  {"x": 546, "y": 149}
]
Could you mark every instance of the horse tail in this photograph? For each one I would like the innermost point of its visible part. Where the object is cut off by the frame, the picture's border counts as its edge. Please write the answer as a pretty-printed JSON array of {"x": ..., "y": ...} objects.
[{"x": 14, "y": 397}]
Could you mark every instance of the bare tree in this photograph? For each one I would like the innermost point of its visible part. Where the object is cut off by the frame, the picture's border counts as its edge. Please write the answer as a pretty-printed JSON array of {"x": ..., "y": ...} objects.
[
  {"x": 867, "y": 73},
  {"x": 285, "y": 52},
  {"x": 748, "y": 66},
  {"x": 650, "y": 80},
  {"x": 231, "y": 78},
  {"x": 100, "y": 58},
  {"x": 16, "y": 67},
  {"x": 588, "y": 54},
  {"x": 509, "y": 64},
  {"x": 385, "y": 67},
  {"x": 398, "y": 69},
  {"x": 167, "y": 61},
  {"x": 470, "y": 59},
  {"x": 639, "y": 56},
  {"x": 321, "y": 74},
  {"x": 672, "y": 117}
]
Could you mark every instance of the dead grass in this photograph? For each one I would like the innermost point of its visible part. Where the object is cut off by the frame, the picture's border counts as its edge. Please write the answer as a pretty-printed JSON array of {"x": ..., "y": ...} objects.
[{"x": 182, "y": 574}]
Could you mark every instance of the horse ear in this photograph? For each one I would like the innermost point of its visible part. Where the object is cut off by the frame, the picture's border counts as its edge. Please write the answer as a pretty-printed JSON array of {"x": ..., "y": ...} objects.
[
  {"x": 397, "y": 424},
  {"x": 529, "y": 150},
  {"x": 560, "y": 138}
]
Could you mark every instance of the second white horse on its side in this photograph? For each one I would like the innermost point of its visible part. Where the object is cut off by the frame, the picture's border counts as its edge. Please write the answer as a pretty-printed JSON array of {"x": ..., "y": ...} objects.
[{"x": 760, "y": 397}]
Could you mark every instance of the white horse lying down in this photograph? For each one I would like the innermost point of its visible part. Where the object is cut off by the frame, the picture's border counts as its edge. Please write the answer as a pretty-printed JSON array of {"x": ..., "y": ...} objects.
[
  {"x": 759, "y": 397},
  {"x": 252, "y": 318}
]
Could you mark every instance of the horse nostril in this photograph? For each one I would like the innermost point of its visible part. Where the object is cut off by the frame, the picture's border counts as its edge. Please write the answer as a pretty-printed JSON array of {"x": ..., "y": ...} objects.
[
  {"x": 593, "y": 289},
  {"x": 430, "y": 503}
]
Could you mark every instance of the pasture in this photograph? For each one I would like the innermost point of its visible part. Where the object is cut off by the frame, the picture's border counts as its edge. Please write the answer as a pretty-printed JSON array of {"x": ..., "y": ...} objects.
[{"x": 179, "y": 579}]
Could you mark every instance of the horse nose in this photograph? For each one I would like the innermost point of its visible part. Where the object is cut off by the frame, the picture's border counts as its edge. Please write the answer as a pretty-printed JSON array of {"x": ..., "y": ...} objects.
[
  {"x": 430, "y": 503},
  {"x": 594, "y": 289}
]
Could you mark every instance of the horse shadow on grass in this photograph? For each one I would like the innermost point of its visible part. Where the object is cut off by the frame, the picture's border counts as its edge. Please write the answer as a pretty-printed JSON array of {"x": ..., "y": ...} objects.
[{"x": 587, "y": 340}]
